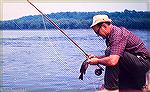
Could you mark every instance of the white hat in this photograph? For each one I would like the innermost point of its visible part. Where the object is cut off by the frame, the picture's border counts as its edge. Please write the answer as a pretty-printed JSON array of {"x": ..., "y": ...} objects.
[{"x": 100, "y": 18}]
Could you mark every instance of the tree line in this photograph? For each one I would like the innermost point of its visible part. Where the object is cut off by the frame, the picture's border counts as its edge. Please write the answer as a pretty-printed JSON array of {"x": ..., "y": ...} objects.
[{"x": 79, "y": 20}]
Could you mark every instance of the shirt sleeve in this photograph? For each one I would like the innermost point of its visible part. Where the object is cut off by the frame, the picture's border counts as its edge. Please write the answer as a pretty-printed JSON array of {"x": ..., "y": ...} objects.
[{"x": 118, "y": 42}]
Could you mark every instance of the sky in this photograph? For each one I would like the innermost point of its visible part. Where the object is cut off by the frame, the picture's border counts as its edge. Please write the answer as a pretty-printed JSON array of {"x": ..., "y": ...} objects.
[{"x": 17, "y": 10}]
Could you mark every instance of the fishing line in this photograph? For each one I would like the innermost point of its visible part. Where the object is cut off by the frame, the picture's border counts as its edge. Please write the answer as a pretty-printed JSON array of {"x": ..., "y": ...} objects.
[
  {"x": 56, "y": 51},
  {"x": 44, "y": 15},
  {"x": 77, "y": 72},
  {"x": 55, "y": 47},
  {"x": 16, "y": 24},
  {"x": 43, "y": 22},
  {"x": 85, "y": 54}
]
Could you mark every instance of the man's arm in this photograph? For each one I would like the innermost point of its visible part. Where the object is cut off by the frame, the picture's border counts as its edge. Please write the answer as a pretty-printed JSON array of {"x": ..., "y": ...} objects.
[
  {"x": 94, "y": 56},
  {"x": 107, "y": 61}
]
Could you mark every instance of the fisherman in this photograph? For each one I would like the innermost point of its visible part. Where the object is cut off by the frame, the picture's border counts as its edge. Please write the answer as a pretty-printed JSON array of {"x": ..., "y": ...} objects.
[{"x": 126, "y": 58}]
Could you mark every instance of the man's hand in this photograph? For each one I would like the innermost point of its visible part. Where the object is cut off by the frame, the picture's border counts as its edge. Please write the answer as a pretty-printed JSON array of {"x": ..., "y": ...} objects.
[
  {"x": 91, "y": 56},
  {"x": 93, "y": 61}
]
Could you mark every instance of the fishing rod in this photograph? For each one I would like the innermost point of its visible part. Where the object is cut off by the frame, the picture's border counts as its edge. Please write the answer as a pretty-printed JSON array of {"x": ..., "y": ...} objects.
[
  {"x": 59, "y": 29},
  {"x": 84, "y": 64}
]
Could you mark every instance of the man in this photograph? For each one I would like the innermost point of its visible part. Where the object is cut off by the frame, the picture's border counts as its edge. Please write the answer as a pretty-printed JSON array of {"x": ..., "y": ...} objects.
[{"x": 126, "y": 58}]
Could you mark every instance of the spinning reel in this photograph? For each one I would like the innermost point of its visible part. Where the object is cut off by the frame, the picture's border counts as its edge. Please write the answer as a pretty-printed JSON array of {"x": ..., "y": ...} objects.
[{"x": 98, "y": 71}]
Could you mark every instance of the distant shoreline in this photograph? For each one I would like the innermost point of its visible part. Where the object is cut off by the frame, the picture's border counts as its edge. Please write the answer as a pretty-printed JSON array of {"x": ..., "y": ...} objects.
[{"x": 78, "y": 20}]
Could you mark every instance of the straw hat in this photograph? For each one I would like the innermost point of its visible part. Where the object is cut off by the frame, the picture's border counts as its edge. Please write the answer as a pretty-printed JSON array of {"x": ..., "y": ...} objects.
[{"x": 100, "y": 18}]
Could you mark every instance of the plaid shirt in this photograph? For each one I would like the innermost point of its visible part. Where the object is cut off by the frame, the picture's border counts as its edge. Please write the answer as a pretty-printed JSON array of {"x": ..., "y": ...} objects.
[{"x": 120, "y": 40}]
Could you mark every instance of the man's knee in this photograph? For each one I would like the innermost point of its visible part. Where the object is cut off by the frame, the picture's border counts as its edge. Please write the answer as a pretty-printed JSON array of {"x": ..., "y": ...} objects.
[{"x": 133, "y": 64}]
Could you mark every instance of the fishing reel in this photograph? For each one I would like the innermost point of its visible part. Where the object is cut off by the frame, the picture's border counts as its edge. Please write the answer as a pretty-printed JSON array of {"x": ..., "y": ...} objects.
[{"x": 98, "y": 71}]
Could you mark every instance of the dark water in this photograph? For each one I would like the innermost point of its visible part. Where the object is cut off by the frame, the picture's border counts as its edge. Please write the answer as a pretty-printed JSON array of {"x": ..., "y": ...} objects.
[{"x": 46, "y": 61}]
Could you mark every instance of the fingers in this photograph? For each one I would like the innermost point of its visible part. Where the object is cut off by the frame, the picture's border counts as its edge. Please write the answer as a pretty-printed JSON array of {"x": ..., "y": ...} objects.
[
  {"x": 91, "y": 56},
  {"x": 93, "y": 61}
]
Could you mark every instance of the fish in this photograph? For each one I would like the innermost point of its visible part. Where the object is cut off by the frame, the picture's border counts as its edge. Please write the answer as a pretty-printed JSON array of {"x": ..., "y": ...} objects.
[{"x": 83, "y": 69}]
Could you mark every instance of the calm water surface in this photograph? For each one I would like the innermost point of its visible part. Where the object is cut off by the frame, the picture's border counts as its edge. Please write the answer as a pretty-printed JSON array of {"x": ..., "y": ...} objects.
[{"x": 46, "y": 61}]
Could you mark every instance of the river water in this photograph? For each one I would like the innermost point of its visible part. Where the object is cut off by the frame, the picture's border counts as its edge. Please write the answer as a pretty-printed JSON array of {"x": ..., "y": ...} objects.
[{"x": 46, "y": 61}]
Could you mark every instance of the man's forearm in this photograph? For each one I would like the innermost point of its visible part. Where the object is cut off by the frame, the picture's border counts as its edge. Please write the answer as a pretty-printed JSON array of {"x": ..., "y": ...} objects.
[
  {"x": 104, "y": 61},
  {"x": 99, "y": 57},
  {"x": 109, "y": 60}
]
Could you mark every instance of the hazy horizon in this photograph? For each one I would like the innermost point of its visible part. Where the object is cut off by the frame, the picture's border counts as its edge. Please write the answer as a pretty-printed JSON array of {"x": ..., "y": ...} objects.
[{"x": 18, "y": 10}]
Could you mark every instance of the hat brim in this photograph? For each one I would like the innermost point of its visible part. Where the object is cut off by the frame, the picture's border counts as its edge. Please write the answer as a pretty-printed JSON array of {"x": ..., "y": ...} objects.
[{"x": 109, "y": 20}]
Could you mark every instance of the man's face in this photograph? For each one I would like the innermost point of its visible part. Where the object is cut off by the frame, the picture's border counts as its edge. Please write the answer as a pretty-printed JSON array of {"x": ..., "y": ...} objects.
[
  {"x": 96, "y": 29},
  {"x": 99, "y": 30}
]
